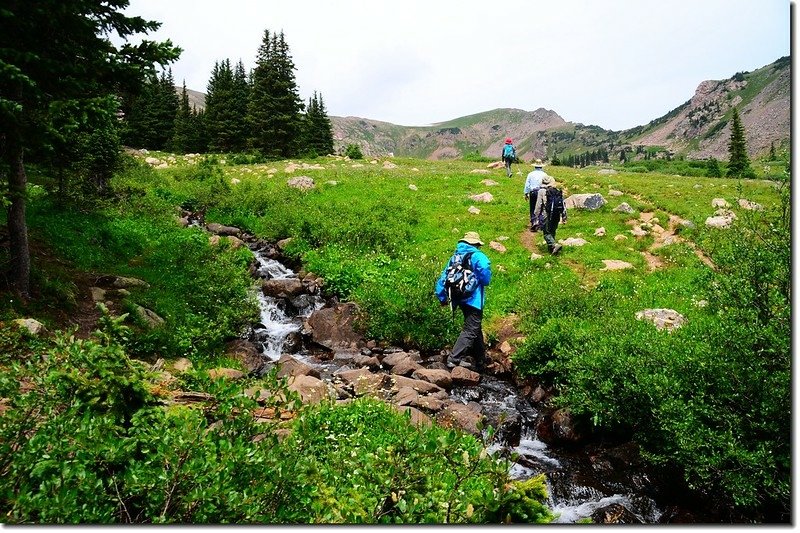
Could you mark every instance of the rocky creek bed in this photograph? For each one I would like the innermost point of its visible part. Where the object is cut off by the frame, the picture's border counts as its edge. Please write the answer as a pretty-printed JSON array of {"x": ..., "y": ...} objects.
[{"x": 312, "y": 340}]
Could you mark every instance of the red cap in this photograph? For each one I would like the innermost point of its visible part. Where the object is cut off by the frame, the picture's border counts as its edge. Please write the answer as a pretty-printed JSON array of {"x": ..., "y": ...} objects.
[{"x": 508, "y": 140}]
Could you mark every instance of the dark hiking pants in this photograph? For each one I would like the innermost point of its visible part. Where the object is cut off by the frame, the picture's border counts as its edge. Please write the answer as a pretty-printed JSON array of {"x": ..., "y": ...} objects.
[
  {"x": 470, "y": 341},
  {"x": 507, "y": 161},
  {"x": 549, "y": 231},
  {"x": 532, "y": 200}
]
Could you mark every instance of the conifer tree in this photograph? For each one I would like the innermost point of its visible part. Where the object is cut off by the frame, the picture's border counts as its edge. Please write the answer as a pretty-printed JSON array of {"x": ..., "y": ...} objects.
[
  {"x": 712, "y": 168},
  {"x": 739, "y": 165},
  {"x": 150, "y": 121},
  {"x": 181, "y": 138},
  {"x": 275, "y": 105},
  {"x": 318, "y": 131},
  {"x": 226, "y": 108}
]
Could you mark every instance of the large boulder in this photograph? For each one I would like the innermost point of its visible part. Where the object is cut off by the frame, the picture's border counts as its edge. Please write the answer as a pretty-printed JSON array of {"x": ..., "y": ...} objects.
[
  {"x": 333, "y": 327},
  {"x": 289, "y": 366},
  {"x": 31, "y": 325},
  {"x": 283, "y": 288},
  {"x": 589, "y": 201},
  {"x": 363, "y": 381},
  {"x": 457, "y": 415},
  {"x": 561, "y": 428},
  {"x": 225, "y": 231},
  {"x": 247, "y": 354},
  {"x": 441, "y": 378},
  {"x": 310, "y": 389}
]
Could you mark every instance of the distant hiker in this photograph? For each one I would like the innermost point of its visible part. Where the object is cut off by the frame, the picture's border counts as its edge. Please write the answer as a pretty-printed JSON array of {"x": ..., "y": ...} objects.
[
  {"x": 468, "y": 264},
  {"x": 532, "y": 185},
  {"x": 509, "y": 155},
  {"x": 550, "y": 203}
]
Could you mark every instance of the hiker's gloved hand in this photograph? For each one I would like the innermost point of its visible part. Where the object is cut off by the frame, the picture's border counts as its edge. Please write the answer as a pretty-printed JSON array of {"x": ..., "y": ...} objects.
[{"x": 526, "y": 196}]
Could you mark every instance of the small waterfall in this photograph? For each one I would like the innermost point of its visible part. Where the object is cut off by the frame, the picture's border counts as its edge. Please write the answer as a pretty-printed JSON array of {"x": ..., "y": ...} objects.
[{"x": 279, "y": 318}]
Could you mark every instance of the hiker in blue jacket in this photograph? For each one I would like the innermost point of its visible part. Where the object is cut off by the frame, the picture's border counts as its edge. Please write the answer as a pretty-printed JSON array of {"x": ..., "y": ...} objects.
[
  {"x": 509, "y": 155},
  {"x": 470, "y": 342}
]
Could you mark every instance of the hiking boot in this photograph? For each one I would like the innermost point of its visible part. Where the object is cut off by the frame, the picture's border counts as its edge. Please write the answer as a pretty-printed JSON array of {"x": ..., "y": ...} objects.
[
  {"x": 467, "y": 362},
  {"x": 556, "y": 249},
  {"x": 452, "y": 363}
]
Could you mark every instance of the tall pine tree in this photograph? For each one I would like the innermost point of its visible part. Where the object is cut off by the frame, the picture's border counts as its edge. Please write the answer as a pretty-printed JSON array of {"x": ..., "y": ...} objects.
[
  {"x": 318, "y": 131},
  {"x": 150, "y": 118},
  {"x": 181, "y": 137},
  {"x": 275, "y": 105},
  {"x": 739, "y": 165}
]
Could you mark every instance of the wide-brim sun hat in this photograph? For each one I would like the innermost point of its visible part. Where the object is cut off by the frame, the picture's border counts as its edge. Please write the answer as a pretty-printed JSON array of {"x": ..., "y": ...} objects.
[
  {"x": 547, "y": 180},
  {"x": 472, "y": 237},
  {"x": 538, "y": 163}
]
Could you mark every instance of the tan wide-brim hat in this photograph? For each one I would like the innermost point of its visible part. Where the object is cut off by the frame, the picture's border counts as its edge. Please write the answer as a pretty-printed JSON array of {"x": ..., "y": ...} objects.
[
  {"x": 538, "y": 163},
  {"x": 472, "y": 237}
]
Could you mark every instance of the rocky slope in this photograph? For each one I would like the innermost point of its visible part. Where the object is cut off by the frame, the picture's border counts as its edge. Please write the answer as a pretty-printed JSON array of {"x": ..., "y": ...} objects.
[{"x": 701, "y": 129}]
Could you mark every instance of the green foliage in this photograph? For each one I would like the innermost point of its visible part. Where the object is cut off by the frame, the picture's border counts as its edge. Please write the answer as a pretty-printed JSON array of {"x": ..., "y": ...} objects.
[
  {"x": 202, "y": 291},
  {"x": 150, "y": 115},
  {"x": 473, "y": 156},
  {"x": 713, "y": 170},
  {"x": 353, "y": 152},
  {"x": 705, "y": 398},
  {"x": 87, "y": 442},
  {"x": 366, "y": 463}
]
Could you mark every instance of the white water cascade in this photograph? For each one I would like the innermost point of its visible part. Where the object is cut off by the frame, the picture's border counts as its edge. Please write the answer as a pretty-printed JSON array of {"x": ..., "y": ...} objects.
[{"x": 276, "y": 325}]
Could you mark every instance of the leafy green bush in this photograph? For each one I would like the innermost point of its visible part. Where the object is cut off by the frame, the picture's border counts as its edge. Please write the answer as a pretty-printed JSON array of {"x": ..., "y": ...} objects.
[
  {"x": 476, "y": 157},
  {"x": 87, "y": 442},
  {"x": 366, "y": 463},
  {"x": 353, "y": 152}
]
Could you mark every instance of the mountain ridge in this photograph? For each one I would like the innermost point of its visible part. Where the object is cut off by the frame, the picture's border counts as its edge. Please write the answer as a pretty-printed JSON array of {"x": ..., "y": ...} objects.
[{"x": 697, "y": 129}]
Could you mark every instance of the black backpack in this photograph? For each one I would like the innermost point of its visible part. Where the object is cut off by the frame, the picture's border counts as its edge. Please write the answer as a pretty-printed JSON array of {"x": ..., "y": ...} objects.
[
  {"x": 554, "y": 202},
  {"x": 460, "y": 280}
]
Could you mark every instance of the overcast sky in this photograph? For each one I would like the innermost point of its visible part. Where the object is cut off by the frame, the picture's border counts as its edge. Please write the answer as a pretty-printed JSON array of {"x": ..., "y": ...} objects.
[{"x": 612, "y": 63}]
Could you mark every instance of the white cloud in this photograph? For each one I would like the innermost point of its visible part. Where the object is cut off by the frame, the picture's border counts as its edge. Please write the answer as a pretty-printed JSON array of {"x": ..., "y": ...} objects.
[{"x": 614, "y": 63}]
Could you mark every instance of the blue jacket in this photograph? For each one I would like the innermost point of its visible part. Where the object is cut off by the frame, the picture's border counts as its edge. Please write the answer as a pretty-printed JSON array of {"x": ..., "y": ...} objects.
[{"x": 483, "y": 272}]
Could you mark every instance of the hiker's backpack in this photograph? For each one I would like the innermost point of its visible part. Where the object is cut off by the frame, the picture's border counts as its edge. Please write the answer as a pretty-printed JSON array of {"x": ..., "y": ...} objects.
[
  {"x": 554, "y": 202},
  {"x": 460, "y": 280},
  {"x": 508, "y": 151}
]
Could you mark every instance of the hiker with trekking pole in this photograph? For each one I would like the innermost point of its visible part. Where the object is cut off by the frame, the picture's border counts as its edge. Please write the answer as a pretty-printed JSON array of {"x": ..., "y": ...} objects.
[{"x": 462, "y": 283}]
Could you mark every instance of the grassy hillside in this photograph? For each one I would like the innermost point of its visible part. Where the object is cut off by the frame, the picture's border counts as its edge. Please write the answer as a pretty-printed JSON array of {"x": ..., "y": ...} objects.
[{"x": 709, "y": 400}]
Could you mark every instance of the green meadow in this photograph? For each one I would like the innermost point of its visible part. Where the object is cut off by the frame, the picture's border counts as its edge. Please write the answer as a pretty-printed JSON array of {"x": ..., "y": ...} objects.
[{"x": 709, "y": 401}]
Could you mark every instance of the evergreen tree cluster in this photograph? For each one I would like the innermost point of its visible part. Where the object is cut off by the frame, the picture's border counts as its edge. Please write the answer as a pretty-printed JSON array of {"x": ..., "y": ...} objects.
[
  {"x": 262, "y": 111},
  {"x": 582, "y": 160}
]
